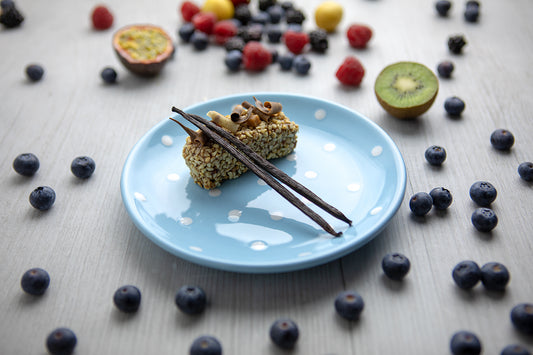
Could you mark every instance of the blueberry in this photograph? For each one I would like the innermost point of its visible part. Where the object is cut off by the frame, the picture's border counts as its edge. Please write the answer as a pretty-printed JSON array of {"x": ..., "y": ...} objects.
[
  {"x": 61, "y": 341},
  {"x": 35, "y": 281},
  {"x": 6, "y": 4},
  {"x": 109, "y": 75},
  {"x": 465, "y": 343},
  {"x": 522, "y": 317},
  {"x": 443, "y": 6},
  {"x": 301, "y": 64},
  {"x": 349, "y": 305},
  {"x": 206, "y": 345},
  {"x": 395, "y": 266},
  {"x": 502, "y": 139},
  {"x": 34, "y": 72},
  {"x": 484, "y": 219},
  {"x": 472, "y": 3},
  {"x": 435, "y": 155},
  {"x": 191, "y": 299},
  {"x": 420, "y": 203},
  {"x": 466, "y": 274},
  {"x": 515, "y": 350},
  {"x": 471, "y": 14},
  {"x": 276, "y": 13},
  {"x": 233, "y": 60},
  {"x": 26, "y": 164},
  {"x": 273, "y": 33},
  {"x": 285, "y": 61},
  {"x": 199, "y": 40},
  {"x": 456, "y": 44},
  {"x": 483, "y": 193},
  {"x": 445, "y": 69},
  {"x": 127, "y": 299},
  {"x": 185, "y": 31},
  {"x": 284, "y": 333},
  {"x": 83, "y": 167},
  {"x": 295, "y": 27},
  {"x": 525, "y": 170},
  {"x": 494, "y": 276},
  {"x": 42, "y": 198},
  {"x": 442, "y": 198},
  {"x": 261, "y": 17},
  {"x": 454, "y": 106}
]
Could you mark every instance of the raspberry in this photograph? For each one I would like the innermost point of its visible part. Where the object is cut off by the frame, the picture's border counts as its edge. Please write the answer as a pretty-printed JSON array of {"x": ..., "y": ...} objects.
[
  {"x": 295, "y": 41},
  {"x": 102, "y": 18},
  {"x": 350, "y": 72},
  {"x": 358, "y": 35},
  {"x": 188, "y": 9},
  {"x": 255, "y": 56},
  {"x": 224, "y": 30},
  {"x": 204, "y": 22}
]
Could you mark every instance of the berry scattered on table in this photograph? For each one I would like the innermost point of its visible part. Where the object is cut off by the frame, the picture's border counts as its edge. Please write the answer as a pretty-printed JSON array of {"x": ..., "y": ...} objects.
[
  {"x": 252, "y": 32},
  {"x": 205, "y": 345},
  {"x": 465, "y": 343},
  {"x": 494, "y": 276},
  {"x": 199, "y": 40},
  {"x": 109, "y": 75},
  {"x": 264, "y": 5},
  {"x": 256, "y": 57},
  {"x": 224, "y": 30},
  {"x": 188, "y": 9},
  {"x": 466, "y": 274},
  {"x": 295, "y": 41},
  {"x": 349, "y": 305},
  {"x": 350, "y": 72},
  {"x": 61, "y": 341},
  {"x": 525, "y": 170},
  {"x": 445, "y": 69},
  {"x": 294, "y": 16},
  {"x": 35, "y": 281},
  {"x": 233, "y": 60},
  {"x": 359, "y": 35},
  {"x": 328, "y": 15},
  {"x": 234, "y": 43},
  {"x": 456, "y": 44},
  {"x": 42, "y": 198},
  {"x": 484, "y": 219},
  {"x": 10, "y": 16},
  {"x": 185, "y": 31},
  {"x": 395, "y": 266},
  {"x": 454, "y": 106},
  {"x": 102, "y": 18},
  {"x": 273, "y": 33},
  {"x": 420, "y": 203},
  {"x": 502, "y": 139},
  {"x": 204, "y": 22},
  {"x": 127, "y": 299},
  {"x": 34, "y": 72},
  {"x": 483, "y": 193},
  {"x": 522, "y": 317},
  {"x": 243, "y": 14},
  {"x": 301, "y": 64},
  {"x": 83, "y": 167},
  {"x": 515, "y": 349},
  {"x": 191, "y": 299},
  {"x": 276, "y": 13},
  {"x": 261, "y": 18},
  {"x": 318, "y": 39},
  {"x": 284, "y": 333},
  {"x": 26, "y": 164},
  {"x": 435, "y": 155},
  {"x": 285, "y": 61},
  {"x": 442, "y": 198},
  {"x": 471, "y": 13},
  {"x": 443, "y": 7}
]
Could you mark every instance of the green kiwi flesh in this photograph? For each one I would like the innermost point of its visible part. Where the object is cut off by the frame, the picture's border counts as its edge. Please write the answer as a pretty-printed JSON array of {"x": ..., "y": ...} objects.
[{"x": 406, "y": 89}]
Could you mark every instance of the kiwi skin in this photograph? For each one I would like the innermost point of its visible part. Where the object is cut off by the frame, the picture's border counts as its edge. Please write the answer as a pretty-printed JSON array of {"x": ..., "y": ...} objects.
[{"x": 410, "y": 111}]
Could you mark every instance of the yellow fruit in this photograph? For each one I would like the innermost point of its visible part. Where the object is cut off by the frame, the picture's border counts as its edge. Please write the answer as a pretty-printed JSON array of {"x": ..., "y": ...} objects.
[
  {"x": 328, "y": 15},
  {"x": 223, "y": 9}
]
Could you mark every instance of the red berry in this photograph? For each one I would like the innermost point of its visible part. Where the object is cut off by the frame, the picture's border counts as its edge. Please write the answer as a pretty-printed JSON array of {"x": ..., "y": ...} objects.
[
  {"x": 239, "y": 2},
  {"x": 295, "y": 41},
  {"x": 350, "y": 72},
  {"x": 255, "y": 56},
  {"x": 102, "y": 18},
  {"x": 358, "y": 35},
  {"x": 188, "y": 9},
  {"x": 204, "y": 22},
  {"x": 224, "y": 30}
]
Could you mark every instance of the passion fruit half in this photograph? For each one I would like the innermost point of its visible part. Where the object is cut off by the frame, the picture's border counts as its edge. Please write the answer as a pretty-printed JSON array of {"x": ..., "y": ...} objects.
[{"x": 143, "y": 49}]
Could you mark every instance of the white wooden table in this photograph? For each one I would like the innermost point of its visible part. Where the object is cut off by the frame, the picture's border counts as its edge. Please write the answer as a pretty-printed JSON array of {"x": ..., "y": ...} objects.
[{"x": 90, "y": 247}]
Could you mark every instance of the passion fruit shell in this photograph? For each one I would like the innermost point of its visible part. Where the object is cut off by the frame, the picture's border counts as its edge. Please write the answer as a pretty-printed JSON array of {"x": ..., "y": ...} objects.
[{"x": 143, "y": 49}]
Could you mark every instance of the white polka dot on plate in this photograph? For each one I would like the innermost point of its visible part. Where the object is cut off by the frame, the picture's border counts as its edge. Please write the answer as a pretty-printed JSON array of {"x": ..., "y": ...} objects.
[
  {"x": 376, "y": 210},
  {"x": 215, "y": 192},
  {"x": 354, "y": 187},
  {"x": 173, "y": 177},
  {"x": 311, "y": 174},
  {"x": 195, "y": 248},
  {"x": 276, "y": 215},
  {"x": 291, "y": 157},
  {"x": 186, "y": 221},
  {"x": 167, "y": 140},
  {"x": 258, "y": 245},
  {"x": 320, "y": 114},
  {"x": 377, "y": 150},
  {"x": 329, "y": 147},
  {"x": 234, "y": 215},
  {"x": 139, "y": 196}
]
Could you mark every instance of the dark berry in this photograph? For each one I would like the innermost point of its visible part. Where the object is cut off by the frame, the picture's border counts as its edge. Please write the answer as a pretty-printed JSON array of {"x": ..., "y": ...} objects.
[
  {"x": 273, "y": 33},
  {"x": 205, "y": 345},
  {"x": 420, "y": 203},
  {"x": 294, "y": 16},
  {"x": 465, "y": 343},
  {"x": 233, "y": 60},
  {"x": 445, "y": 69},
  {"x": 443, "y": 6},
  {"x": 472, "y": 3},
  {"x": 454, "y": 106},
  {"x": 26, "y": 164},
  {"x": 275, "y": 55},
  {"x": 456, "y": 44},
  {"x": 284, "y": 333},
  {"x": 243, "y": 14},
  {"x": 276, "y": 13},
  {"x": 199, "y": 40},
  {"x": 10, "y": 16},
  {"x": 5, "y": 4},
  {"x": 484, "y": 219},
  {"x": 442, "y": 198},
  {"x": 435, "y": 155},
  {"x": 42, "y": 198},
  {"x": 471, "y": 13},
  {"x": 35, "y": 281},
  {"x": 301, "y": 64},
  {"x": 294, "y": 27},
  {"x": 264, "y": 5},
  {"x": 34, "y": 72},
  {"x": 234, "y": 43},
  {"x": 185, "y": 31},
  {"x": 483, "y": 193},
  {"x": 525, "y": 170},
  {"x": 395, "y": 266},
  {"x": 261, "y": 17},
  {"x": 349, "y": 305},
  {"x": 253, "y": 32},
  {"x": 285, "y": 61},
  {"x": 318, "y": 39},
  {"x": 522, "y": 317},
  {"x": 515, "y": 349},
  {"x": 287, "y": 5},
  {"x": 494, "y": 276},
  {"x": 466, "y": 274},
  {"x": 109, "y": 75},
  {"x": 61, "y": 341},
  {"x": 83, "y": 167},
  {"x": 191, "y": 299},
  {"x": 127, "y": 299},
  {"x": 502, "y": 139}
]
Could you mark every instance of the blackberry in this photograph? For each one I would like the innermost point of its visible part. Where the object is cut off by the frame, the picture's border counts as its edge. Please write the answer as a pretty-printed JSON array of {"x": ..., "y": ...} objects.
[
  {"x": 4, "y": 4},
  {"x": 456, "y": 44},
  {"x": 234, "y": 43},
  {"x": 264, "y": 5},
  {"x": 10, "y": 17},
  {"x": 251, "y": 33},
  {"x": 287, "y": 5},
  {"x": 318, "y": 40},
  {"x": 294, "y": 16},
  {"x": 243, "y": 14}
]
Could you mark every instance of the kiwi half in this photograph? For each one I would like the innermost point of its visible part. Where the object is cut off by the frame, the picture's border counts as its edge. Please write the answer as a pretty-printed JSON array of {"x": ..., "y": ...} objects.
[{"x": 406, "y": 89}]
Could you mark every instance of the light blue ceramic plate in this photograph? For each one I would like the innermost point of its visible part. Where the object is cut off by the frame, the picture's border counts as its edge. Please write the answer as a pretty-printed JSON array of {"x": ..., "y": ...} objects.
[{"x": 245, "y": 226}]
